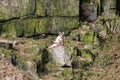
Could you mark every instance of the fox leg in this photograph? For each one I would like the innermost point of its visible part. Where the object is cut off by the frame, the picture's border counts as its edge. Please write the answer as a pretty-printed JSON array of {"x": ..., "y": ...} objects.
[{"x": 53, "y": 45}]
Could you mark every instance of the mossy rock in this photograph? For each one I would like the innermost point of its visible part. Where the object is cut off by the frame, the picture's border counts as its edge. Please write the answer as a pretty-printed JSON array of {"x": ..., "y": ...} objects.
[
  {"x": 24, "y": 27},
  {"x": 30, "y": 27},
  {"x": 87, "y": 54},
  {"x": 40, "y": 8},
  {"x": 42, "y": 26},
  {"x": 33, "y": 26},
  {"x": 57, "y": 8},
  {"x": 6, "y": 52},
  {"x": 88, "y": 37},
  {"x": 109, "y": 9},
  {"x": 80, "y": 63},
  {"x": 57, "y": 24},
  {"x": 8, "y": 29},
  {"x": 16, "y": 9}
]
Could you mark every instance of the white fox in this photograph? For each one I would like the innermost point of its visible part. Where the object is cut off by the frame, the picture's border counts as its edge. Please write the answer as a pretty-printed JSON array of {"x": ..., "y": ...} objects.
[{"x": 59, "y": 40}]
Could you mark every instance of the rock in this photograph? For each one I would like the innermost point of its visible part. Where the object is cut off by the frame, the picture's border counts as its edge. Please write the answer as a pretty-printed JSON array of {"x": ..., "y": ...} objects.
[
  {"x": 24, "y": 28},
  {"x": 79, "y": 62},
  {"x": 92, "y": 17},
  {"x": 61, "y": 56},
  {"x": 88, "y": 36},
  {"x": 7, "y": 44},
  {"x": 15, "y": 9},
  {"x": 14, "y": 59},
  {"x": 109, "y": 7},
  {"x": 57, "y": 8},
  {"x": 76, "y": 37},
  {"x": 62, "y": 24},
  {"x": 87, "y": 54},
  {"x": 31, "y": 68},
  {"x": 30, "y": 27},
  {"x": 88, "y": 13}
]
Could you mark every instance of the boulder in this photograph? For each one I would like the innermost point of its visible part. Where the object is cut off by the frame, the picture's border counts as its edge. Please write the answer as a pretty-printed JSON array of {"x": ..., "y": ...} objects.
[{"x": 61, "y": 56}]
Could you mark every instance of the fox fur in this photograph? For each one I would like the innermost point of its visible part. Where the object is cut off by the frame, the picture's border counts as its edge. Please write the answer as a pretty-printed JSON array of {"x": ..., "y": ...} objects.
[{"x": 59, "y": 40}]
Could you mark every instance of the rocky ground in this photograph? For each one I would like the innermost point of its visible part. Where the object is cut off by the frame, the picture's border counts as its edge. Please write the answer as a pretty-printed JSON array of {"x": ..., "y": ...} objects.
[
  {"x": 106, "y": 65},
  {"x": 10, "y": 72}
]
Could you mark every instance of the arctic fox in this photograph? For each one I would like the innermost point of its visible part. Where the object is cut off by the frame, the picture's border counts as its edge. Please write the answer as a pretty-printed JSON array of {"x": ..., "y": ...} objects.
[{"x": 59, "y": 40}]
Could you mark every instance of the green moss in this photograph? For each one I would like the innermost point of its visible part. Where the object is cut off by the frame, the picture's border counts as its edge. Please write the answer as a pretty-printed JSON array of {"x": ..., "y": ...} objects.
[
  {"x": 8, "y": 29},
  {"x": 6, "y": 52},
  {"x": 88, "y": 37},
  {"x": 21, "y": 63},
  {"x": 67, "y": 73},
  {"x": 16, "y": 9},
  {"x": 40, "y": 8},
  {"x": 73, "y": 51},
  {"x": 57, "y": 24},
  {"x": 57, "y": 8},
  {"x": 30, "y": 25},
  {"x": 19, "y": 26},
  {"x": 87, "y": 54},
  {"x": 25, "y": 8},
  {"x": 41, "y": 28}
]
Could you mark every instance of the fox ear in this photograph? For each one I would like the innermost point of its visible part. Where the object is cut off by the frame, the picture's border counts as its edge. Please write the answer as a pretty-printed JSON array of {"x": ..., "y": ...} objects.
[
  {"x": 62, "y": 33},
  {"x": 59, "y": 32}
]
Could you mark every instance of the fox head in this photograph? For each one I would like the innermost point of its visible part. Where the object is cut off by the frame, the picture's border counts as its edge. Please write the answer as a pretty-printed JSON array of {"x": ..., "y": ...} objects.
[{"x": 61, "y": 34}]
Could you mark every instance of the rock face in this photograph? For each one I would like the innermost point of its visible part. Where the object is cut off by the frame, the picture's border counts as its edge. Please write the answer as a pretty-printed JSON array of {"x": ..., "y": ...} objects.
[
  {"x": 29, "y": 27},
  {"x": 31, "y": 17},
  {"x": 26, "y": 18},
  {"x": 57, "y": 8},
  {"x": 61, "y": 56},
  {"x": 16, "y": 8}
]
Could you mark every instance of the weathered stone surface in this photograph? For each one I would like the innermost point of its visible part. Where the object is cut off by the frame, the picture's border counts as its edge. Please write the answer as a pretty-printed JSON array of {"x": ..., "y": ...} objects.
[
  {"x": 57, "y": 24},
  {"x": 8, "y": 29},
  {"x": 88, "y": 36},
  {"x": 109, "y": 10},
  {"x": 31, "y": 68},
  {"x": 61, "y": 56},
  {"x": 57, "y": 8},
  {"x": 16, "y": 8},
  {"x": 24, "y": 28},
  {"x": 88, "y": 13},
  {"x": 30, "y": 27}
]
